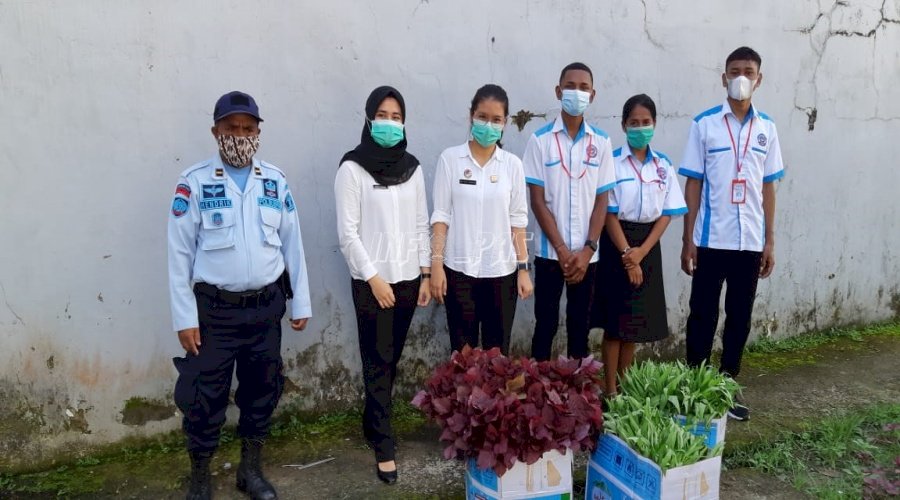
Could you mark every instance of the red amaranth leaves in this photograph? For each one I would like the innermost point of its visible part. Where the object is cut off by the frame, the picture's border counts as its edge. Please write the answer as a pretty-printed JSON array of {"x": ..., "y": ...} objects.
[{"x": 499, "y": 410}]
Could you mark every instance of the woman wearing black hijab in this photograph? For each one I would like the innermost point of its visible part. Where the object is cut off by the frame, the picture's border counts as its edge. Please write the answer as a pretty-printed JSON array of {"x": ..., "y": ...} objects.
[{"x": 382, "y": 221}]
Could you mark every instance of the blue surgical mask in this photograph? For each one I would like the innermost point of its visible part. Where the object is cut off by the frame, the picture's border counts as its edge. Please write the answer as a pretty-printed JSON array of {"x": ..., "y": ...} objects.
[
  {"x": 574, "y": 102},
  {"x": 485, "y": 133},
  {"x": 639, "y": 137},
  {"x": 386, "y": 133}
]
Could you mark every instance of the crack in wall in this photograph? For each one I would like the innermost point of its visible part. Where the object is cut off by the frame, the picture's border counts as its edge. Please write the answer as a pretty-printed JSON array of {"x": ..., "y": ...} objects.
[
  {"x": 812, "y": 111},
  {"x": 647, "y": 29},
  {"x": 8, "y": 306}
]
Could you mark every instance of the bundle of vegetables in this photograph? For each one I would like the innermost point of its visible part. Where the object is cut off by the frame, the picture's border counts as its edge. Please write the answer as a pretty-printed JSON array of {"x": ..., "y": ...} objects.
[
  {"x": 655, "y": 434},
  {"x": 700, "y": 394},
  {"x": 499, "y": 410}
]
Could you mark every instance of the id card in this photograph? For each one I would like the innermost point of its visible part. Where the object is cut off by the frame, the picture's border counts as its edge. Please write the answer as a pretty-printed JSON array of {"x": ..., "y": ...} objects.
[{"x": 739, "y": 191}]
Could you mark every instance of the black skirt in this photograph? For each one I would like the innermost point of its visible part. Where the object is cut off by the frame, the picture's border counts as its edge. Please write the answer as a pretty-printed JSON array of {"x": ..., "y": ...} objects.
[{"x": 624, "y": 312}]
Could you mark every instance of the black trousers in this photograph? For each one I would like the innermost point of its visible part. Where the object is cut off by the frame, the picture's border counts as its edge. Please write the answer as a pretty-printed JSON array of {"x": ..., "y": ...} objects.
[
  {"x": 485, "y": 304},
  {"x": 740, "y": 269},
  {"x": 548, "y": 287},
  {"x": 248, "y": 336},
  {"x": 382, "y": 334}
]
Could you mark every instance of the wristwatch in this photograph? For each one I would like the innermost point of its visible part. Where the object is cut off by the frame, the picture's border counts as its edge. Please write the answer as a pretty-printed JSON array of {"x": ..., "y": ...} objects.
[
  {"x": 592, "y": 244},
  {"x": 523, "y": 266}
]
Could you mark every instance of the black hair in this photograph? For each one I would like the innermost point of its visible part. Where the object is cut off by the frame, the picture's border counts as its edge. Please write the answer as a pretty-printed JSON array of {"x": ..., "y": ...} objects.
[
  {"x": 576, "y": 66},
  {"x": 490, "y": 91},
  {"x": 744, "y": 54},
  {"x": 638, "y": 100}
]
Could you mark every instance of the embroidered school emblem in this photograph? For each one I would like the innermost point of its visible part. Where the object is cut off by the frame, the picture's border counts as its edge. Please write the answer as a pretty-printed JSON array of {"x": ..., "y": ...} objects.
[
  {"x": 179, "y": 206},
  {"x": 661, "y": 172},
  {"x": 217, "y": 219},
  {"x": 467, "y": 173},
  {"x": 592, "y": 151},
  {"x": 761, "y": 139},
  {"x": 270, "y": 188}
]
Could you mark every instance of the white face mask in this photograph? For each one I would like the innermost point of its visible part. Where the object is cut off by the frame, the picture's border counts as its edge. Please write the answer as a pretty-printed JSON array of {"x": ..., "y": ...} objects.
[{"x": 740, "y": 88}]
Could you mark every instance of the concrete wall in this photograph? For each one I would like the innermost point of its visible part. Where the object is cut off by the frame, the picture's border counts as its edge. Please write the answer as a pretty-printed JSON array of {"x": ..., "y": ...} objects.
[{"x": 102, "y": 104}]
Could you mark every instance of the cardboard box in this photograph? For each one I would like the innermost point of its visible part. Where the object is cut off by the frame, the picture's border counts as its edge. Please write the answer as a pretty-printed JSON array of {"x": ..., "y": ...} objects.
[
  {"x": 550, "y": 478},
  {"x": 616, "y": 472},
  {"x": 714, "y": 433}
]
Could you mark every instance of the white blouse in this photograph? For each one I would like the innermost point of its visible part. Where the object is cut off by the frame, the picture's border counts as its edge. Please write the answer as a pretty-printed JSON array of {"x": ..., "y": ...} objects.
[
  {"x": 480, "y": 205},
  {"x": 382, "y": 230}
]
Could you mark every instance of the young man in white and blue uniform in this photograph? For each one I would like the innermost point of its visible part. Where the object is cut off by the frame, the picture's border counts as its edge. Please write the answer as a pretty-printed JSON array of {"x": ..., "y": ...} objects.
[
  {"x": 731, "y": 161},
  {"x": 235, "y": 256},
  {"x": 569, "y": 171}
]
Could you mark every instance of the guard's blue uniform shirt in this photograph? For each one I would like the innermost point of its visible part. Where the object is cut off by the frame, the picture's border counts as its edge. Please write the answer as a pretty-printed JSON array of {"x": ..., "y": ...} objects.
[{"x": 237, "y": 240}]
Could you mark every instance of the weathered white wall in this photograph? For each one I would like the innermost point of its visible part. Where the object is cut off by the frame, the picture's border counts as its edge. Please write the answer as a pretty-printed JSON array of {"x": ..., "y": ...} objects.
[{"x": 102, "y": 104}]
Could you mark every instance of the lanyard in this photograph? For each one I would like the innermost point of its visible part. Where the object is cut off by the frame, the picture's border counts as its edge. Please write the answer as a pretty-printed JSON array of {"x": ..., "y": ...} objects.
[
  {"x": 561, "y": 162},
  {"x": 739, "y": 160},
  {"x": 638, "y": 172}
]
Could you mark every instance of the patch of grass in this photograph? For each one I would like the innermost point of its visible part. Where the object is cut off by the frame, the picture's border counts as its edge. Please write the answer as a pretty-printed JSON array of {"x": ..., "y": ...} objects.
[
  {"x": 832, "y": 458},
  {"x": 811, "y": 340}
]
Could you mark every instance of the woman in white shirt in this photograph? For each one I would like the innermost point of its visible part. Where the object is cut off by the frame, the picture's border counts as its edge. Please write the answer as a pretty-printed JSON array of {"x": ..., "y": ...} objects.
[
  {"x": 630, "y": 303},
  {"x": 382, "y": 221},
  {"x": 479, "y": 257}
]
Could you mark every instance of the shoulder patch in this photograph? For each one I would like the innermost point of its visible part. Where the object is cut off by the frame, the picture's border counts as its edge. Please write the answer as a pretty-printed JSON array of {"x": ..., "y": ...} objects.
[
  {"x": 183, "y": 190},
  {"x": 599, "y": 131},
  {"x": 708, "y": 112},
  {"x": 289, "y": 203},
  {"x": 180, "y": 207},
  {"x": 543, "y": 130},
  {"x": 617, "y": 152}
]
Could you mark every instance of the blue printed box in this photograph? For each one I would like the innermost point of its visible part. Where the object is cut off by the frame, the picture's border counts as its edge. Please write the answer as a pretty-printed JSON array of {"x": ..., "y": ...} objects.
[
  {"x": 550, "y": 478},
  {"x": 616, "y": 472},
  {"x": 713, "y": 434}
]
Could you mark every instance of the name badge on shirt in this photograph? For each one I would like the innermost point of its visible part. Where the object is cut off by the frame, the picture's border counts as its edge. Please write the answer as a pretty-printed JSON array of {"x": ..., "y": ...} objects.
[
  {"x": 470, "y": 182},
  {"x": 739, "y": 191},
  {"x": 378, "y": 186}
]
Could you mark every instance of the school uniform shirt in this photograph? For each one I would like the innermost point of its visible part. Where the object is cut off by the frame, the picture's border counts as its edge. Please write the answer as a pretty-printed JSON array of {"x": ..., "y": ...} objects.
[
  {"x": 382, "y": 230},
  {"x": 572, "y": 173},
  {"x": 237, "y": 240},
  {"x": 480, "y": 206},
  {"x": 646, "y": 190},
  {"x": 718, "y": 143}
]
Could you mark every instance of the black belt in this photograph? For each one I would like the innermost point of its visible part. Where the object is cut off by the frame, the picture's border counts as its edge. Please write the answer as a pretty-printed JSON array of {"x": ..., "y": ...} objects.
[{"x": 250, "y": 298}]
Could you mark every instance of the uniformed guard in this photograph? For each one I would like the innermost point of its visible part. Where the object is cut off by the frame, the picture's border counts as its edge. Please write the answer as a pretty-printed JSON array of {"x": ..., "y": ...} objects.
[{"x": 235, "y": 256}]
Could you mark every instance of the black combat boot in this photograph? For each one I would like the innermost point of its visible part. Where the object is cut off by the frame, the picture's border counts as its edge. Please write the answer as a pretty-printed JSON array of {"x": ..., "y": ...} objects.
[
  {"x": 200, "y": 488},
  {"x": 250, "y": 478}
]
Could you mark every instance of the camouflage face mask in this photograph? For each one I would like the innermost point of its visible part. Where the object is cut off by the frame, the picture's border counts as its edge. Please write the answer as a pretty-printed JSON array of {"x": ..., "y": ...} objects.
[{"x": 238, "y": 151}]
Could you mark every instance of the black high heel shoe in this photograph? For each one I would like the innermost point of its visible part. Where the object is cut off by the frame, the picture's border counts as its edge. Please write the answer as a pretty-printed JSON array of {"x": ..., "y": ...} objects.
[{"x": 387, "y": 477}]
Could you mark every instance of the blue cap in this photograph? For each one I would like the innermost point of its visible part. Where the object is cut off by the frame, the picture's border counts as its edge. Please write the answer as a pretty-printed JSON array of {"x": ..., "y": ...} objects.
[{"x": 235, "y": 102}]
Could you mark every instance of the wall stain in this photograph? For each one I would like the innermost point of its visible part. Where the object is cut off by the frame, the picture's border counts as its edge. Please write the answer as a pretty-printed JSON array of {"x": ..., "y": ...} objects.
[
  {"x": 138, "y": 411},
  {"x": 523, "y": 117}
]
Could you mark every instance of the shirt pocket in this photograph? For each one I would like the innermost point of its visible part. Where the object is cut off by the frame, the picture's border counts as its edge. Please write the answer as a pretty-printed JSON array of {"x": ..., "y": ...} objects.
[
  {"x": 271, "y": 222},
  {"x": 217, "y": 230}
]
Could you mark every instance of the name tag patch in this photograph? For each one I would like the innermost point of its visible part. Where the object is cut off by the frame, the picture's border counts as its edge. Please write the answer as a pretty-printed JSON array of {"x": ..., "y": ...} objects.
[
  {"x": 470, "y": 182},
  {"x": 269, "y": 203},
  {"x": 214, "y": 204}
]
